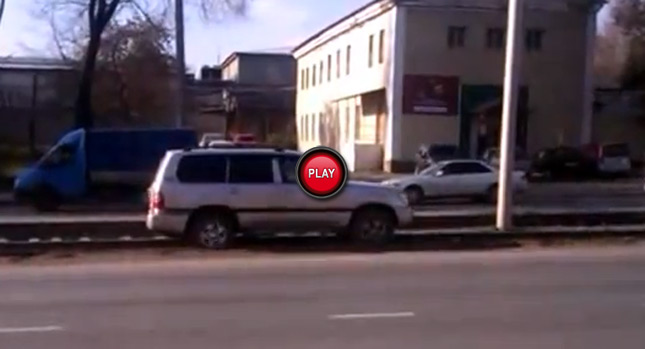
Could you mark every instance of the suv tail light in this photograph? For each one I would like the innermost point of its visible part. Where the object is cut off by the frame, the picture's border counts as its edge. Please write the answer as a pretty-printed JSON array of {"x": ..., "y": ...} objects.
[{"x": 155, "y": 201}]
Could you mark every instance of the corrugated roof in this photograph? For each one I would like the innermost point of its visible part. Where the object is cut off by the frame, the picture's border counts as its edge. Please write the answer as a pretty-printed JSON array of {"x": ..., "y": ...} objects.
[
  {"x": 35, "y": 63},
  {"x": 235, "y": 54}
]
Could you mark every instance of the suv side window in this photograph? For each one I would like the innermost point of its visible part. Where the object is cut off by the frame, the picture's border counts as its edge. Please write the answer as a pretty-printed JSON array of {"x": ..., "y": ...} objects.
[
  {"x": 250, "y": 169},
  {"x": 288, "y": 168},
  {"x": 202, "y": 169}
]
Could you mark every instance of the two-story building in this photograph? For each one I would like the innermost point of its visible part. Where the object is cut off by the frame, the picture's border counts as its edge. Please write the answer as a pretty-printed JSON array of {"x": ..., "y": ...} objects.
[
  {"x": 395, "y": 74},
  {"x": 261, "y": 98}
]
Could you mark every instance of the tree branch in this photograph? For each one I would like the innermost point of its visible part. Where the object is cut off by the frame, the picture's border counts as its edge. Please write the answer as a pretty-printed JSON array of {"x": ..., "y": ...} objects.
[{"x": 92, "y": 15}]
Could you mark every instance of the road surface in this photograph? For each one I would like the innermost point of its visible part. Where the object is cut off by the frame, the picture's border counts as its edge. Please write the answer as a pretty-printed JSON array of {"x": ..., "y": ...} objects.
[{"x": 562, "y": 298}]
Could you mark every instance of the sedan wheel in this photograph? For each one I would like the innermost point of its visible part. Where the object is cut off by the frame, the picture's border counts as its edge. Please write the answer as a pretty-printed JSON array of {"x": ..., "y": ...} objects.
[
  {"x": 491, "y": 195},
  {"x": 414, "y": 194}
]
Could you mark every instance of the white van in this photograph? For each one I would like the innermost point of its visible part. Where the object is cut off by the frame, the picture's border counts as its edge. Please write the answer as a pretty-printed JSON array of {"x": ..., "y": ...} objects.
[{"x": 614, "y": 159}]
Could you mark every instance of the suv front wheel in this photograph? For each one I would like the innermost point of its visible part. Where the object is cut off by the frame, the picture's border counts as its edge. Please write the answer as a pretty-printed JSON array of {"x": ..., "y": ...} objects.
[
  {"x": 372, "y": 226},
  {"x": 212, "y": 230}
]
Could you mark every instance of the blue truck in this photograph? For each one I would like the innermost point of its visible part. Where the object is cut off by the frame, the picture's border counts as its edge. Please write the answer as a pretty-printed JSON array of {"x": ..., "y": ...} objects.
[{"x": 82, "y": 161}]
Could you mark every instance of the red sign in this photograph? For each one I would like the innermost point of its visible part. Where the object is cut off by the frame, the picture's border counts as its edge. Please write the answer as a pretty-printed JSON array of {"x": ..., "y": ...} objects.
[{"x": 430, "y": 94}]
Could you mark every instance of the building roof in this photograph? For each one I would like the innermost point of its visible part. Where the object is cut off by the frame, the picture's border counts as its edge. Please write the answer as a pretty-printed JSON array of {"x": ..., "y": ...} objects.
[
  {"x": 358, "y": 11},
  {"x": 335, "y": 23},
  {"x": 35, "y": 63},
  {"x": 237, "y": 54}
]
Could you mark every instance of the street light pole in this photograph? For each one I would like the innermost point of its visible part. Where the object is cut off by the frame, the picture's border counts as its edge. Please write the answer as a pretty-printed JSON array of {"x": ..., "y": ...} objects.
[
  {"x": 181, "y": 63},
  {"x": 509, "y": 114}
]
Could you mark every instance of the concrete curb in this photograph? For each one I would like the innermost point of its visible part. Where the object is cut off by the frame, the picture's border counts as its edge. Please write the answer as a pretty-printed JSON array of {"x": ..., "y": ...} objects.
[{"x": 114, "y": 227}]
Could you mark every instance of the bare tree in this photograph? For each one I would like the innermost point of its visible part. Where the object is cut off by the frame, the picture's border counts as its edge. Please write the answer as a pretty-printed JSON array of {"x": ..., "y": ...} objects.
[
  {"x": 629, "y": 16},
  {"x": 134, "y": 72},
  {"x": 90, "y": 18},
  {"x": 610, "y": 54}
]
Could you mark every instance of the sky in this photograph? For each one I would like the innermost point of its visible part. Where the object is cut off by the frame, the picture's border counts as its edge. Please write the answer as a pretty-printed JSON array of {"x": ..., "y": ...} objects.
[{"x": 268, "y": 25}]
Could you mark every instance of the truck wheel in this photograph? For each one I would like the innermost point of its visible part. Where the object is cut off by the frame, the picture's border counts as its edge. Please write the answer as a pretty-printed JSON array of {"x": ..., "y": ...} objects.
[
  {"x": 491, "y": 194},
  {"x": 46, "y": 200},
  {"x": 372, "y": 227},
  {"x": 212, "y": 230}
]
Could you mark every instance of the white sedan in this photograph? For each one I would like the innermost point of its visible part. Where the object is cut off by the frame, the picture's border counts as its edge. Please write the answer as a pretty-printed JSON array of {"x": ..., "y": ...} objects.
[{"x": 455, "y": 178}]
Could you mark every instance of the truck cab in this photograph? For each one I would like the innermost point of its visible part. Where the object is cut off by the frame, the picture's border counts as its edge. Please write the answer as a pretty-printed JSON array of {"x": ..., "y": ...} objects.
[
  {"x": 61, "y": 172},
  {"x": 102, "y": 159}
]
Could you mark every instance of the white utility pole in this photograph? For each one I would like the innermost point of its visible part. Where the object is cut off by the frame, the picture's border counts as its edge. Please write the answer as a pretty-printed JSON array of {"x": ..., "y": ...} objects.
[
  {"x": 180, "y": 57},
  {"x": 1, "y": 9},
  {"x": 512, "y": 71}
]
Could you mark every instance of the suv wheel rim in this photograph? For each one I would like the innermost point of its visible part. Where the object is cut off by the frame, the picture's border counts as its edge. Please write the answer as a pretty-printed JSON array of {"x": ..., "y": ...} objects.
[
  {"x": 213, "y": 235},
  {"x": 373, "y": 229}
]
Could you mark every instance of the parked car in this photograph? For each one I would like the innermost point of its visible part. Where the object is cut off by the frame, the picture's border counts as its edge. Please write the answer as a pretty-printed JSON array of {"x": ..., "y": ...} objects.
[
  {"x": 209, "y": 195},
  {"x": 563, "y": 162},
  {"x": 433, "y": 153},
  {"x": 455, "y": 178},
  {"x": 522, "y": 161},
  {"x": 85, "y": 160},
  {"x": 613, "y": 159},
  {"x": 208, "y": 138},
  {"x": 244, "y": 138},
  {"x": 221, "y": 144}
]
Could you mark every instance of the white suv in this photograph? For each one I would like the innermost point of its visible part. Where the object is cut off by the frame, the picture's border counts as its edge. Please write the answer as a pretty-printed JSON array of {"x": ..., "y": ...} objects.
[{"x": 210, "y": 195}]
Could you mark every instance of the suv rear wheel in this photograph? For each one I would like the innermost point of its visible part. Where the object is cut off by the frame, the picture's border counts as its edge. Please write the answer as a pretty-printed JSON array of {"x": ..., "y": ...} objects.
[
  {"x": 212, "y": 230},
  {"x": 372, "y": 226}
]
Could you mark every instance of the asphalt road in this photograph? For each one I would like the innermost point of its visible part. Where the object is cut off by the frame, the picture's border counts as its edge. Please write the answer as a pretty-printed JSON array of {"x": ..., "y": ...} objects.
[{"x": 563, "y": 298}]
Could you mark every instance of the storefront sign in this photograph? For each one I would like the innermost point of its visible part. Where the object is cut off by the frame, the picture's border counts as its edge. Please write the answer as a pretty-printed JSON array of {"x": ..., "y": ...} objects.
[{"x": 430, "y": 94}]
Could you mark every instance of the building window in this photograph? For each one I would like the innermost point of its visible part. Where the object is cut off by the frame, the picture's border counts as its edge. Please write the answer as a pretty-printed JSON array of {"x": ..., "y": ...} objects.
[
  {"x": 347, "y": 123},
  {"x": 304, "y": 127},
  {"x": 302, "y": 79},
  {"x": 306, "y": 78},
  {"x": 533, "y": 39},
  {"x": 495, "y": 38},
  {"x": 321, "y": 127},
  {"x": 328, "y": 67},
  {"x": 456, "y": 36},
  {"x": 338, "y": 64},
  {"x": 320, "y": 78},
  {"x": 357, "y": 121},
  {"x": 370, "y": 52},
  {"x": 348, "y": 59},
  {"x": 381, "y": 46},
  {"x": 313, "y": 75},
  {"x": 312, "y": 127}
]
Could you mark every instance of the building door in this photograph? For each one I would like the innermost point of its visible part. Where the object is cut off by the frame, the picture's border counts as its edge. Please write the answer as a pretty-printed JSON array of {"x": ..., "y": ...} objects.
[{"x": 481, "y": 114}]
